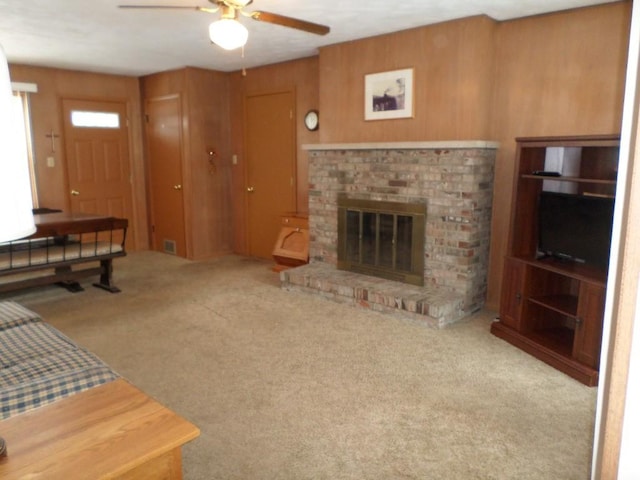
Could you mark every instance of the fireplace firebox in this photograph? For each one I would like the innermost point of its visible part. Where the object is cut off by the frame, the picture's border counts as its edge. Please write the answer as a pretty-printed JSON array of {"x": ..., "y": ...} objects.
[{"x": 382, "y": 239}]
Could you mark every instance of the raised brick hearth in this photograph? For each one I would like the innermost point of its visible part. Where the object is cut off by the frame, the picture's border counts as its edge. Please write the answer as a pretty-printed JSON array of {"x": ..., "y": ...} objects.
[{"x": 454, "y": 179}]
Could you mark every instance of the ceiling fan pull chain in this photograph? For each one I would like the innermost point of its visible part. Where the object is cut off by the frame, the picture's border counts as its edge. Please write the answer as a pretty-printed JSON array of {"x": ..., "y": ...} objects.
[{"x": 244, "y": 70}]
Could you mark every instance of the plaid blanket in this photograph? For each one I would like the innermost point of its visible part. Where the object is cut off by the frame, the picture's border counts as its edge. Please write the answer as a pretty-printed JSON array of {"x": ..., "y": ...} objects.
[{"x": 39, "y": 365}]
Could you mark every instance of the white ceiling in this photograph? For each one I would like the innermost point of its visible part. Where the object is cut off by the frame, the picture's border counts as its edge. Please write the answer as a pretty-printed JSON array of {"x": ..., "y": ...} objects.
[{"x": 95, "y": 35}]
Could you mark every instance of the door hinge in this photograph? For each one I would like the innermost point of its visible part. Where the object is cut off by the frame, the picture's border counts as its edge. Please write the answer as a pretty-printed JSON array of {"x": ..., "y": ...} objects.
[
  {"x": 146, "y": 118},
  {"x": 153, "y": 229},
  {"x": 290, "y": 114}
]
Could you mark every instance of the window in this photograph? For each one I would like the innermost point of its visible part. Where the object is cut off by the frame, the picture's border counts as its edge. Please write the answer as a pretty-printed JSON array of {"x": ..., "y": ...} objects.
[
  {"x": 22, "y": 134},
  {"x": 83, "y": 119}
]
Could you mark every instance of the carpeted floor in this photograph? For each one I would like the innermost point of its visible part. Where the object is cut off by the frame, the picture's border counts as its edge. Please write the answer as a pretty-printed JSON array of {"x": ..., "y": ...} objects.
[{"x": 290, "y": 386}]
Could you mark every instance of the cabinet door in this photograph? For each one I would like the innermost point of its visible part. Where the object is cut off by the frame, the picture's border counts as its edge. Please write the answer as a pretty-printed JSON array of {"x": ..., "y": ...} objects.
[
  {"x": 512, "y": 299},
  {"x": 588, "y": 334}
]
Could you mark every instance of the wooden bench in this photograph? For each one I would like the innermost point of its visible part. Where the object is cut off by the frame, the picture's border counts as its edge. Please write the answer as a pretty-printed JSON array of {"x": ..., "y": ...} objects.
[{"x": 60, "y": 249}]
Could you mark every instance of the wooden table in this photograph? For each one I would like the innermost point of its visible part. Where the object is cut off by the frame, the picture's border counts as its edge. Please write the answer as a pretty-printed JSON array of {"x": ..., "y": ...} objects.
[{"x": 113, "y": 431}]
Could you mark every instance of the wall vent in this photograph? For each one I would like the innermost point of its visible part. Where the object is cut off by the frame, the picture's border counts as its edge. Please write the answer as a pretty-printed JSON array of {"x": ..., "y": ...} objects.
[{"x": 169, "y": 246}]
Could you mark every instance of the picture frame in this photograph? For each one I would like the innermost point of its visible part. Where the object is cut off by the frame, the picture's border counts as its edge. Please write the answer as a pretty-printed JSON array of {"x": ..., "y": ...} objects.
[{"x": 388, "y": 94}]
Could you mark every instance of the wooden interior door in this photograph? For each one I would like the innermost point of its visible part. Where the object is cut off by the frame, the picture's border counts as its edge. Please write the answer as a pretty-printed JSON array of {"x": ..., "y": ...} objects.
[
  {"x": 270, "y": 150},
  {"x": 164, "y": 153},
  {"x": 97, "y": 159}
]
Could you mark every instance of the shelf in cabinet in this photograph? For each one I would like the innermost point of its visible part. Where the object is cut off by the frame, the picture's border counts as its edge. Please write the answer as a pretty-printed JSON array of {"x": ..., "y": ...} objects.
[
  {"x": 559, "y": 339},
  {"x": 554, "y": 348},
  {"x": 579, "y": 271},
  {"x": 599, "y": 181},
  {"x": 563, "y": 304}
]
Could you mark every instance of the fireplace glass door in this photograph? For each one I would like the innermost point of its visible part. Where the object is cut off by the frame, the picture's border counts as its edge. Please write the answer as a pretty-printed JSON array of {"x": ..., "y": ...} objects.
[{"x": 384, "y": 239}]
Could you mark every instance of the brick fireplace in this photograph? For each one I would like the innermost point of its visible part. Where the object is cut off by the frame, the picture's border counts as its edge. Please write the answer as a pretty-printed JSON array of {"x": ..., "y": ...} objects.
[{"x": 455, "y": 182}]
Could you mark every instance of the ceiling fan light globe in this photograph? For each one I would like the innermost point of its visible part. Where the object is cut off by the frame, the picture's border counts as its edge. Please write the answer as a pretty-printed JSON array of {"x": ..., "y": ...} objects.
[{"x": 228, "y": 33}]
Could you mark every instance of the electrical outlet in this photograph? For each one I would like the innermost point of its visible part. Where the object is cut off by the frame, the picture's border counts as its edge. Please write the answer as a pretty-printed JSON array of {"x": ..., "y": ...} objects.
[{"x": 51, "y": 162}]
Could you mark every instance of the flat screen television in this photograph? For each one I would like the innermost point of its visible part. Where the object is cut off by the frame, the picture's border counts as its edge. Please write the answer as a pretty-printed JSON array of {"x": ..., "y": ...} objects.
[{"x": 575, "y": 227}]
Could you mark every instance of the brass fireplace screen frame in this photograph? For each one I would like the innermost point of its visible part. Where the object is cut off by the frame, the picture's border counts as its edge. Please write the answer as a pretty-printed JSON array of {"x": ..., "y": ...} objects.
[{"x": 402, "y": 268}]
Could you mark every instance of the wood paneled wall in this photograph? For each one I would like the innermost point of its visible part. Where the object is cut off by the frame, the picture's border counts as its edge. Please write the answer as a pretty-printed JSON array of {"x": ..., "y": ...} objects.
[
  {"x": 300, "y": 76},
  {"x": 453, "y": 71},
  {"x": 46, "y": 115},
  {"x": 555, "y": 74},
  {"x": 205, "y": 125},
  {"x": 209, "y": 127}
]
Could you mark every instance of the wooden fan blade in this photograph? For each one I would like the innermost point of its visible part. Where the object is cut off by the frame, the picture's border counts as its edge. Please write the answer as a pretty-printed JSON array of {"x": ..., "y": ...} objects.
[
  {"x": 290, "y": 22},
  {"x": 170, "y": 7}
]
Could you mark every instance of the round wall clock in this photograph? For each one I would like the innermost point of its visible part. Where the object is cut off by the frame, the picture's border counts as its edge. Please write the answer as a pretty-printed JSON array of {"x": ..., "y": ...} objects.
[{"x": 312, "y": 120}]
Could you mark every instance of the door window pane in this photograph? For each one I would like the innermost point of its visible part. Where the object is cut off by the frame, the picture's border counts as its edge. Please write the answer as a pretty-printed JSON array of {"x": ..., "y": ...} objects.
[{"x": 85, "y": 119}]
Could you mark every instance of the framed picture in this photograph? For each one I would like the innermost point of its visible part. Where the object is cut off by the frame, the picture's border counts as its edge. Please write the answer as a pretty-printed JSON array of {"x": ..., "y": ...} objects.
[{"x": 388, "y": 95}]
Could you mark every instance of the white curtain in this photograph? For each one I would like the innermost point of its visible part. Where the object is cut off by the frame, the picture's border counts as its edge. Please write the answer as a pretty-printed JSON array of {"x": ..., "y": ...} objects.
[{"x": 16, "y": 204}]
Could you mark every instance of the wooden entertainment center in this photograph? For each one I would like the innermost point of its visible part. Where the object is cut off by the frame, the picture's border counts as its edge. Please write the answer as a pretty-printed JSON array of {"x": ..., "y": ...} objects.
[{"x": 550, "y": 307}]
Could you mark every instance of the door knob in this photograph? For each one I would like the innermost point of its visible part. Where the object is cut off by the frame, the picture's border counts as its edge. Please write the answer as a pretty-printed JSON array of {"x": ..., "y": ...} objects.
[
  {"x": 177, "y": 187},
  {"x": 75, "y": 193},
  {"x": 250, "y": 189}
]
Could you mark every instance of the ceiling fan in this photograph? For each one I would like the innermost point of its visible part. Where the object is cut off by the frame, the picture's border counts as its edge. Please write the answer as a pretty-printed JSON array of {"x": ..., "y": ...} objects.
[{"x": 228, "y": 32}]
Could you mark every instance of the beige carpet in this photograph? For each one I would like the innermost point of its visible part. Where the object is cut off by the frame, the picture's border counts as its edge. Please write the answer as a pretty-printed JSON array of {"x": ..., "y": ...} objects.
[{"x": 289, "y": 386}]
